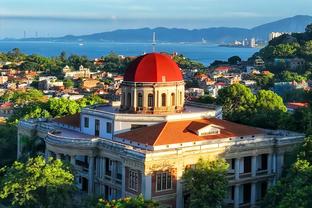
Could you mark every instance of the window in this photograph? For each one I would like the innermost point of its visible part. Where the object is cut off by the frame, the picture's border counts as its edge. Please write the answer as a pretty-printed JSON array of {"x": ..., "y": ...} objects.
[
  {"x": 97, "y": 127},
  {"x": 129, "y": 100},
  {"x": 108, "y": 127},
  {"x": 86, "y": 122},
  {"x": 163, "y": 99},
  {"x": 173, "y": 99},
  {"x": 140, "y": 100},
  {"x": 150, "y": 100},
  {"x": 133, "y": 180},
  {"x": 108, "y": 166},
  {"x": 163, "y": 181}
]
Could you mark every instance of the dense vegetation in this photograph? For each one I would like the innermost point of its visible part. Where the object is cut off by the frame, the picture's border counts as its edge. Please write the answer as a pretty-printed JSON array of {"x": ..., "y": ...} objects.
[
  {"x": 295, "y": 188},
  {"x": 37, "y": 183},
  {"x": 206, "y": 183},
  {"x": 288, "y": 46},
  {"x": 33, "y": 104},
  {"x": 265, "y": 109}
]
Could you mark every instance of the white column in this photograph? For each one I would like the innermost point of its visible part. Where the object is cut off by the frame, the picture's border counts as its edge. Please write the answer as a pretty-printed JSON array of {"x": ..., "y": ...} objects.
[
  {"x": 269, "y": 163},
  {"x": 280, "y": 164},
  {"x": 114, "y": 175},
  {"x": 58, "y": 156},
  {"x": 72, "y": 160},
  {"x": 253, "y": 166},
  {"x": 46, "y": 154},
  {"x": 179, "y": 199},
  {"x": 236, "y": 196},
  {"x": 123, "y": 182},
  {"x": 147, "y": 186},
  {"x": 253, "y": 195},
  {"x": 135, "y": 105},
  {"x": 237, "y": 168},
  {"x": 91, "y": 174}
]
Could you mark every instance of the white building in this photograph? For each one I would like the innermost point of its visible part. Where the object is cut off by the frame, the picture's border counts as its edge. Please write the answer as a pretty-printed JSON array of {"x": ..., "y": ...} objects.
[{"x": 144, "y": 144}]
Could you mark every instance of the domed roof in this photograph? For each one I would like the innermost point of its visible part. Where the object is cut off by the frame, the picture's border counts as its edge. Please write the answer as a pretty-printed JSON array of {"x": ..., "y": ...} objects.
[{"x": 153, "y": 67}]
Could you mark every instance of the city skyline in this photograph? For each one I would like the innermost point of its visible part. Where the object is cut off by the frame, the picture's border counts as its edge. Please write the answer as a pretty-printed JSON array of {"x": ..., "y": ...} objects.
[{"x": 60, "y": 18}]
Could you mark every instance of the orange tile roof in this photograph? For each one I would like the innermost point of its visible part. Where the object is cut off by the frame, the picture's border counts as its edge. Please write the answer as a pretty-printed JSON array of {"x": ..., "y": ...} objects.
[
  {"x": 296, "y": 105},
  {"x": 71, "y": 120},
  {"x": 183, "y": 131}
]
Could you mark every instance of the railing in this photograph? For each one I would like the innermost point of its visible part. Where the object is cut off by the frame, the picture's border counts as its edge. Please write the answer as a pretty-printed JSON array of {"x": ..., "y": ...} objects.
[
  {"x": 69, "y": 140},
  {"x": 245, "y": 175},
  {"x": 262, "y": 172}
]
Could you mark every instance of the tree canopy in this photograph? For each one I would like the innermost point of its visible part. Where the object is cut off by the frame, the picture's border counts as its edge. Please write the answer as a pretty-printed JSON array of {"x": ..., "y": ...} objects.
[
  {"x": 37, "y": 183},
  {"x": 206, "y": 183},
  {"x": 294, "y": 189},
  {"x": 128, "y": 202}
]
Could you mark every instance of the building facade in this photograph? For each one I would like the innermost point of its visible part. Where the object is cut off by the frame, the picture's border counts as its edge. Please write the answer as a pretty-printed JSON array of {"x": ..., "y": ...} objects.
[{"x": 144, "y": 143}]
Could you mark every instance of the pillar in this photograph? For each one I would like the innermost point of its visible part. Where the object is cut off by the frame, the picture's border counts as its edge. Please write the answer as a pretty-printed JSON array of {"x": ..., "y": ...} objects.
[
  {"x": 280, "y": 164},
  {"x": 58, "y": 156},
  {"x": 269, "y": 163},
  {"x": 179, "y": 199},
  {"x": 72, "y": 160},
  {"x": 91, "y": 174},
  {"x": 123, "y": 180},
  {"x": 236, "y": 196},
  {"x": 147, "y": 186},
  {"x": 135, "y": 97},
  {"x": 253, "y": 166},
  {"x": 253, "y": 195},
  {"x": 47, "y": 154},
  {"x": 237, "y": 168}
]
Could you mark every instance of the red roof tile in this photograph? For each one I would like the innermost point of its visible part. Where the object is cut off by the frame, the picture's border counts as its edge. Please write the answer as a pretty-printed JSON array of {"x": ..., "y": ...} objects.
[
  {"x": 71, "y": 120},
  {"x": 183, "y": 131}
]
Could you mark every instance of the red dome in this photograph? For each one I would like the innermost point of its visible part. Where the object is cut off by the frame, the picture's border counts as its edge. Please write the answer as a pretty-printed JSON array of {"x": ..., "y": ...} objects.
[{"x": 153, "y": 67}]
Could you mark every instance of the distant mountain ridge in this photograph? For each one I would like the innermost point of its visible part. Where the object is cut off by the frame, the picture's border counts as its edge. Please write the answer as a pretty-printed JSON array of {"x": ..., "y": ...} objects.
[{"x": 211, "y": 35}]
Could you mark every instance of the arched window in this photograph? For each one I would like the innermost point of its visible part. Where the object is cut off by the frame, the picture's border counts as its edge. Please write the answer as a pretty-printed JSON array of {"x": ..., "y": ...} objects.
[
  {"x": 150, "y": 100},
  {"x": 163, "y": 99},
  {"x": 140, "y": 100},
  {"x": 172, "y": 99},
  {"x": 129, "y": 99}
]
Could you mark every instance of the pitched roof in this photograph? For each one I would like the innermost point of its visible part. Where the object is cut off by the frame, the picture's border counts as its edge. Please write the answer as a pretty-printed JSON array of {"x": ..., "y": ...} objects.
[
  {"x": 184, "y": 131},
  {"x": 71, "y": 120}
]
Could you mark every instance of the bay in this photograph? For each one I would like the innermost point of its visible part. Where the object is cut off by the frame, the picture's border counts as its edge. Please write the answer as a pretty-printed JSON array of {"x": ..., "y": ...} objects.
[{"x": 203, "y": 53}]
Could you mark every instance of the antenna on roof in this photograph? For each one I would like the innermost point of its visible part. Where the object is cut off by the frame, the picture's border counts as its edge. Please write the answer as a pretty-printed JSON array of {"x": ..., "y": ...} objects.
[{"x": 154, "y": 42}]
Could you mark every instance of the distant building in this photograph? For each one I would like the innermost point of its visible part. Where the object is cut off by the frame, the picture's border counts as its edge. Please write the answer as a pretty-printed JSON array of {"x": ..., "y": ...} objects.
[
  {"x": 253, "y": 43},
  {"x": 82, "y": 73},
  {"x": 293, "y": 63},
  {"x": 273, "y": 35}
]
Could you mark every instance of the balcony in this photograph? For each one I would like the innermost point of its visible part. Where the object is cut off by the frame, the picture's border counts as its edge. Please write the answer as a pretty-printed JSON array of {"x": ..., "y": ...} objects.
[{"x": 70, "y": 137}]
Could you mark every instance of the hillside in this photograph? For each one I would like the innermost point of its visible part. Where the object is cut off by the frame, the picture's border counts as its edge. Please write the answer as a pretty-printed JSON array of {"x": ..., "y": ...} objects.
[{"x": 212, "y": 35}]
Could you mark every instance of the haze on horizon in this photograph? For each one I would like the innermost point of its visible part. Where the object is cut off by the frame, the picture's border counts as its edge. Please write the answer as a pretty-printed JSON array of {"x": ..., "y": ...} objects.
[{"x": 45, "y": 18}]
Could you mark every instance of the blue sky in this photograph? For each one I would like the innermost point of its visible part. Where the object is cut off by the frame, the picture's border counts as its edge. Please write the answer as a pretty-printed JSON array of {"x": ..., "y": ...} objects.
[{"x": 61, "y": 17}]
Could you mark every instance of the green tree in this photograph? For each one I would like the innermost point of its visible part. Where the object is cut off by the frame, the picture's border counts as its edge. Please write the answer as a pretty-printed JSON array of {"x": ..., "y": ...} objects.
[
  {"x": 68, "y": 83},
  {"x": 206, "y": 183},
  {"x": 234, "y": 60},
  {"x": 129, "y": 202},
  {"x": 268, "y": 100},
  {"x": 294, "y": 189},
  {"x": 308, "y": 29},
  {"x": 235, "y": 99},
  {"x": 62, "y": 106},
  {"x": 285, "y": 50},
  {"x": 37, "y": 183},
  {"x": 8, "y": 144}
]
